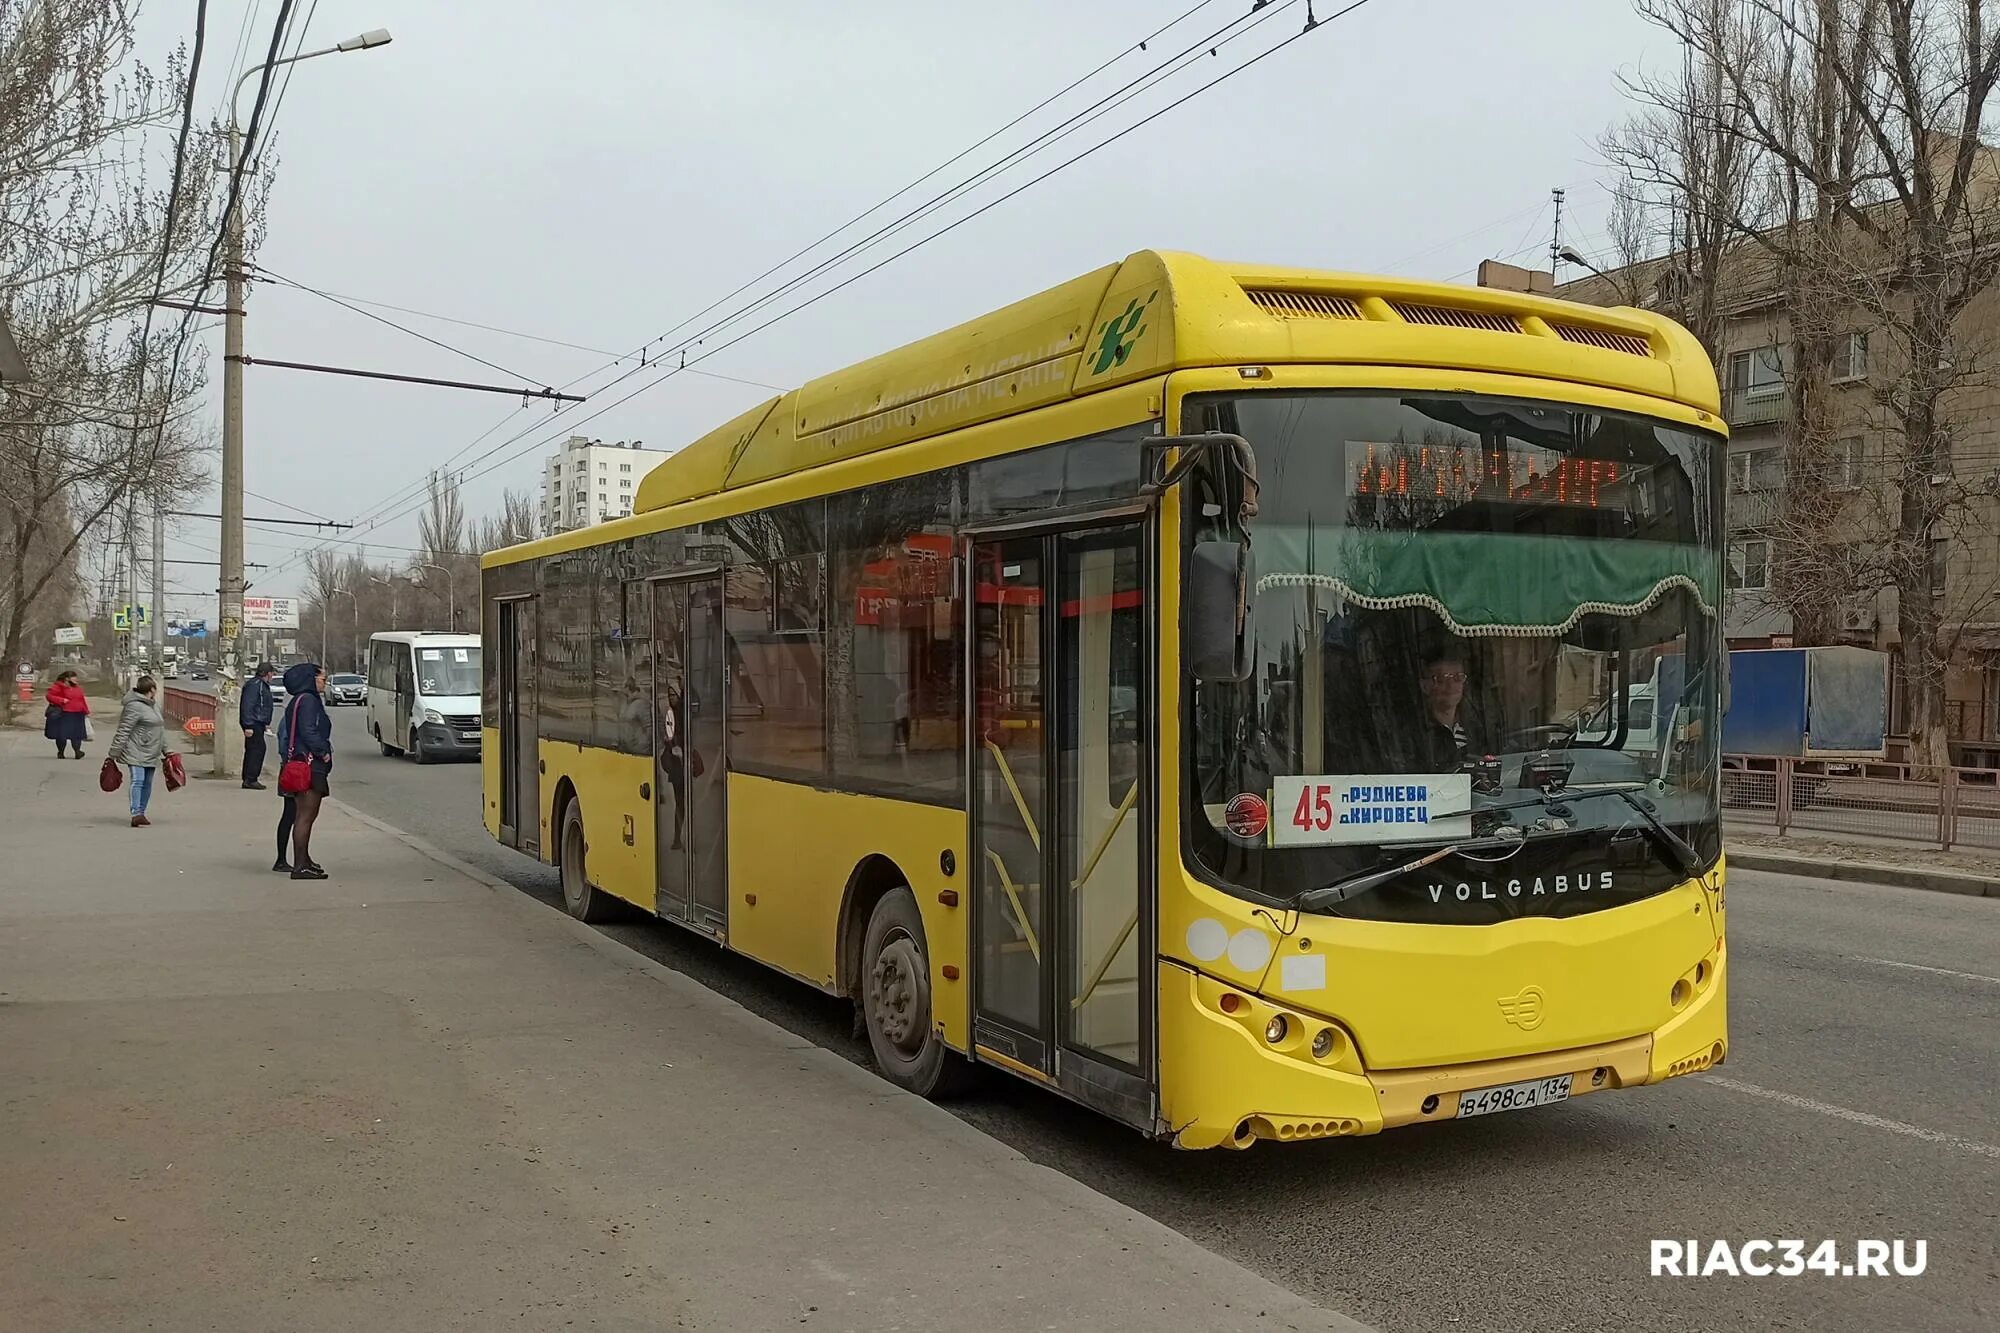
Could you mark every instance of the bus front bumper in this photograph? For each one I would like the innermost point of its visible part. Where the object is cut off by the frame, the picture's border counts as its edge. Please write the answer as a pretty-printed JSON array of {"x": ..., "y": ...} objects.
[{"x": 1232, "y": 1086}]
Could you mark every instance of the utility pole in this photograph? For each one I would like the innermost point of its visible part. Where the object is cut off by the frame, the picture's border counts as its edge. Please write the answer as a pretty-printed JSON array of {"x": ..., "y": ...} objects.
[
  {"x": 229, "y": 739},
  {"x": 159, "y": 619},
  {"x": 1556, "y": 233}
]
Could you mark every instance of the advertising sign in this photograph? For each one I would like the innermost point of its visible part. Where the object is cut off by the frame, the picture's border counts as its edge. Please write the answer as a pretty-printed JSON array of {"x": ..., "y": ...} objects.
[
  {"x": 270, "y": 613},
  {"x": 68, "y": 634}
]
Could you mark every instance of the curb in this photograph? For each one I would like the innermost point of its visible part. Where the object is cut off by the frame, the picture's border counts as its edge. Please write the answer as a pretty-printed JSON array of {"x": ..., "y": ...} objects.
[
  {"x": 1865, "y": 872},
  {"x": 1292, "y": 1310}
]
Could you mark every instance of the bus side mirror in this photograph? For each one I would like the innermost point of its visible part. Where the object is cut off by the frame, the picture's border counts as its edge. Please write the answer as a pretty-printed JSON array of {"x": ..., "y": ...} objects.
[{"x": 1215, "y": 611}]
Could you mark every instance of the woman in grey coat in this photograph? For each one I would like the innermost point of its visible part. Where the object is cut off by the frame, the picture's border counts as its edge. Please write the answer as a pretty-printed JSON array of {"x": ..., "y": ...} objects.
[{"x": 141, "y": 744}]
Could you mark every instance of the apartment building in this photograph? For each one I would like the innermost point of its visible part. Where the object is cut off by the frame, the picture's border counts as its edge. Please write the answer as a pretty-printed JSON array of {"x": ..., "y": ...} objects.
[{"x": 587, "y": 481}]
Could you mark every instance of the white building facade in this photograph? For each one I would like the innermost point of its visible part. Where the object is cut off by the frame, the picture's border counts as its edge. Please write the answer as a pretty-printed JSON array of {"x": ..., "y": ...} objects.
[{"x": 587, "y": 481}]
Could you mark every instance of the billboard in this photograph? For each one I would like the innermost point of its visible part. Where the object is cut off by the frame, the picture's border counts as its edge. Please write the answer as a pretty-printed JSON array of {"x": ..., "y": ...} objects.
[
  {"x": 270, "y": 613},
  {"x": 187, "y": 629}
]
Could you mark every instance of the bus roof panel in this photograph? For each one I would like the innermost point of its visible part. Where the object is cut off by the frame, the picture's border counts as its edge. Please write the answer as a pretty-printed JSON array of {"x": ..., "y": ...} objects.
[{"x": 1160, "y": 311}]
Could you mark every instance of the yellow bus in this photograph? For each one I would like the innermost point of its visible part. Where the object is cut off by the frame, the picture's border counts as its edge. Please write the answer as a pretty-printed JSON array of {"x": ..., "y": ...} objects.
[{"x": 1202, "y": 689}]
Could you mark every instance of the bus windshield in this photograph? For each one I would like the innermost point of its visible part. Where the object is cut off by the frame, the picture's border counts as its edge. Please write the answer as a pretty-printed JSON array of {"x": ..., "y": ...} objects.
[
  {"x": 447, "y": 672},
  {"x": 1456, "y": 602}
]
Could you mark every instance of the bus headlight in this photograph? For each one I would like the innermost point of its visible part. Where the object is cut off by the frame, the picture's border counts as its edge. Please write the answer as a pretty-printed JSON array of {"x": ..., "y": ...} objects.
[
  {"x": 1275, "y": 1030},
  {"x": 432, "y": 715}
]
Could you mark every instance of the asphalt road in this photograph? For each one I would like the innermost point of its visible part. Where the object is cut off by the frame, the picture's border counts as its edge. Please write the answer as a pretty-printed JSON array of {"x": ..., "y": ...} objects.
[{"x": 1859, "y": 1102}]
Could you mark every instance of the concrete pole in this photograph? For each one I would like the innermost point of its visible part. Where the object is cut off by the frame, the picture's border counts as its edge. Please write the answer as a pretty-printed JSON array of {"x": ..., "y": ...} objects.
[
  {"x": 228, "y": 737},
  {"x": 159, "y": 591}
]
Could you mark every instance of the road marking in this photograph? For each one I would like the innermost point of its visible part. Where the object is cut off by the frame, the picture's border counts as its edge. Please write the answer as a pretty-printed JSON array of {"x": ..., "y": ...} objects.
[
  {"x": 1940, "y": 971},
  {"x": 1856, "y": 1117}
]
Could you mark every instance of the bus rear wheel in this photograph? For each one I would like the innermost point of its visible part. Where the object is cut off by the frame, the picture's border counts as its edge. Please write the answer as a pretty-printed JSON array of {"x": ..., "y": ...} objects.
[
  {"x": 896, "y": 1001},
  {"x": 581, "y": 900}
]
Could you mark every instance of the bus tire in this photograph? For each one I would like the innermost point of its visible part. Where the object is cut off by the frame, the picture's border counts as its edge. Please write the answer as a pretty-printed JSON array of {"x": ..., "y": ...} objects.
[
  {"x": 580, "y": 900},
  {"x": 895, "y": 1001},
  {"x": 417, "y": 750}
]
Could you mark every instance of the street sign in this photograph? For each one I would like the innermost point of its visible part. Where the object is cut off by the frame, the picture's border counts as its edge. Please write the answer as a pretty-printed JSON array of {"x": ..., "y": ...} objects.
[
  {"x": 68, "y": 634},
  {"x": 270, "y": 613}
]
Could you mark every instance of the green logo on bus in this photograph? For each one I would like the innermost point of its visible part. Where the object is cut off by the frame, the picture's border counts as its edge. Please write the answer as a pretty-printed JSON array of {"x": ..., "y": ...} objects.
[{"x": 1119, "y": 334}]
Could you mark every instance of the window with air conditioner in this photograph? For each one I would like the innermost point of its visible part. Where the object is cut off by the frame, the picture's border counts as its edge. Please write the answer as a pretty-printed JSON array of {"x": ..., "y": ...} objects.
[
  {"x": 1749, "y": 566},
  {"x": 1850, "y": 357},
  {"x": 1757, "y": 374}
]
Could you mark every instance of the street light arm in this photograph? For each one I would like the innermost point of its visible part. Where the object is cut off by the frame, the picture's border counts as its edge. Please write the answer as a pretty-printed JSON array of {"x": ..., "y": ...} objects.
[{"x": 367, "y": 41}]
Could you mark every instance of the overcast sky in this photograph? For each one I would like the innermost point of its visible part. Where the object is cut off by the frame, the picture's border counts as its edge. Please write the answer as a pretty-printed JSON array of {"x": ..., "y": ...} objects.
[{"x": 596, "y": 173}]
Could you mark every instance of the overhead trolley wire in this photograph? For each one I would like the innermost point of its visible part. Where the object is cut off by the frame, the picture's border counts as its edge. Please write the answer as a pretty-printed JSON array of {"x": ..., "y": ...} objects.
[
  {"x": 641, "y": 351},
  {"x": 668, "y": 368}
]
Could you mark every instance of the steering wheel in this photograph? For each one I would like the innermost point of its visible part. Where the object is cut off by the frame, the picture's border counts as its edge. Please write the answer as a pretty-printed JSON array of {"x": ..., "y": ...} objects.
[{"x": 1548, "y": 735}]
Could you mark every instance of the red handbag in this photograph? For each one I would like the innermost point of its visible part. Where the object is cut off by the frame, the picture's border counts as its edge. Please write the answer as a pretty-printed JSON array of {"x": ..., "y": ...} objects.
[
  {"x": 296, "y": 774},
  {"x": 174, "y": 770},
  {"x": 110, "y": 777}
]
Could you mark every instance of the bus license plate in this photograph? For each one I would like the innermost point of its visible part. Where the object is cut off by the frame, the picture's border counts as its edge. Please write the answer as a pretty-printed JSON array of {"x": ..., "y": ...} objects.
[{"x": 1513, "y": 1096}]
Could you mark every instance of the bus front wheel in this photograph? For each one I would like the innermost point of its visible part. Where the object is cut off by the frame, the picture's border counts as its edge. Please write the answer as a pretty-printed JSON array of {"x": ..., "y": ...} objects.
[
  {"x": 581, "y": 900},
  {"x": 896, "y": 1001}
]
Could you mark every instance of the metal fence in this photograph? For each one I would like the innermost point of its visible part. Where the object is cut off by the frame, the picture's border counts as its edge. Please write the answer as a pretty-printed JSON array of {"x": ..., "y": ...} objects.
[
  {"x": 193, "y": 714},
  {"x": 1944, "y": 807}
]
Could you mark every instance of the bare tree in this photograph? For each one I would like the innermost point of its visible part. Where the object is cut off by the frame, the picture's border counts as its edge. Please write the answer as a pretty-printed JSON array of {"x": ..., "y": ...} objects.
[
  {"x": 1684, "y": 199},
  {"x": 91, "y": 240},
  {"x": 442, "y": 534},
  {"x": 1872, "y": 209}
]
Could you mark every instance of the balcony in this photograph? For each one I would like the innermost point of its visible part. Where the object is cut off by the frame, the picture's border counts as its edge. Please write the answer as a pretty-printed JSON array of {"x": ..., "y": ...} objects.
[
  {"x": 1749, "y": 511},
  {"x": 1756, "y": 407}
]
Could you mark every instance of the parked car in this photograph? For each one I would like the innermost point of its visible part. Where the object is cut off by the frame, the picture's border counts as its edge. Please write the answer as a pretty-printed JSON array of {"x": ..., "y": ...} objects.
[
  {"x": 199, "y": 671},
  {"x": 345, "y": 687}
]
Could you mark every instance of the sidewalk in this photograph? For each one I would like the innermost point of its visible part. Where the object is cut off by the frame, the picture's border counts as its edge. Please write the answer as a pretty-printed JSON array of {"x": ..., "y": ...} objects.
[
  {"x": 1856, "y": 857},
  {"x": 400, "y": 1100}
]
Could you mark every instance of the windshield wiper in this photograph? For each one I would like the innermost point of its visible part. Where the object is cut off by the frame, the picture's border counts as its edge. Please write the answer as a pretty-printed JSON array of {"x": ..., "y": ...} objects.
[
  {"x": 1367, "y": 881},
  {"x": 1680, "y": 854}
]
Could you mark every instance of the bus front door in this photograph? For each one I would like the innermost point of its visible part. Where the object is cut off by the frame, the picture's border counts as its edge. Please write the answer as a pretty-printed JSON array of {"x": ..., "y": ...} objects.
[
  {"x": 690, "y": 788},
  {"x": 520, "y": 728},
  {"x": 1061, "y": 651}
]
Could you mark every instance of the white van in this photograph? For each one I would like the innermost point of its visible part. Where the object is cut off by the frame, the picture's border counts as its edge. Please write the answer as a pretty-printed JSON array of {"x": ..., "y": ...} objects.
[{"x": 423, "y": 694}]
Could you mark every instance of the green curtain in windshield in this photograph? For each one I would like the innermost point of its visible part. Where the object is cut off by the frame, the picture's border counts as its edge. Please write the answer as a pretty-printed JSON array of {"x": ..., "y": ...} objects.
[{"x": 1483, "y": 583}]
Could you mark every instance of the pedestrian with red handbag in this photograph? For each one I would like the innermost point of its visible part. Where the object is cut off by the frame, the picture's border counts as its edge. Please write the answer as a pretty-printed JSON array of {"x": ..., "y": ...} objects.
[
  {"x": 140, "y": 744},
  {"x": 305, "y": 764}
]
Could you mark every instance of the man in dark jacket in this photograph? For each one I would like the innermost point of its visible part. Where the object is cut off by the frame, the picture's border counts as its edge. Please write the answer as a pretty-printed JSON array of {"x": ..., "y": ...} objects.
[{"x": 254, "y": 712}]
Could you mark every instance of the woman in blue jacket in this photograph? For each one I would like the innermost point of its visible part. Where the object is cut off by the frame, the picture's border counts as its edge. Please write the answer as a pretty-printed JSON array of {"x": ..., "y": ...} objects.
[{"x": 306, "y": 733}]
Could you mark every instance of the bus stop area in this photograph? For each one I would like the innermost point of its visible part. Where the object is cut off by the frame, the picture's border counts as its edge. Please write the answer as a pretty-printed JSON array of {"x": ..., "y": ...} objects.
[{"x": 406, "y": 1099}]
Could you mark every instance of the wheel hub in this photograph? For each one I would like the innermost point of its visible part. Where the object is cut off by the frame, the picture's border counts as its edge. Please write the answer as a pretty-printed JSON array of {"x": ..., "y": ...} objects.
[{"x": 899, "y": 996}]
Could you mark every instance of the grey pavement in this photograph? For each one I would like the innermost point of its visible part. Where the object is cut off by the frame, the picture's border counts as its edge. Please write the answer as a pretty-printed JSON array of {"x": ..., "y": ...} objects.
[
  {"x": 403, "y": 1100},
  {"x": 1857, "y": 1102}
]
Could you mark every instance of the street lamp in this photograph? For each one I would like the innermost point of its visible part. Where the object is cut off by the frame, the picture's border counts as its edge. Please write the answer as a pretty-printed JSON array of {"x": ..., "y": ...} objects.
[
  {"x": 451, "y": 593},
  {"x": 1569, "y": 254},
  {"x": 232, "y": 585},
  {"x": 389, "y": 583},
  {"x": 354, "y": 639}
]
